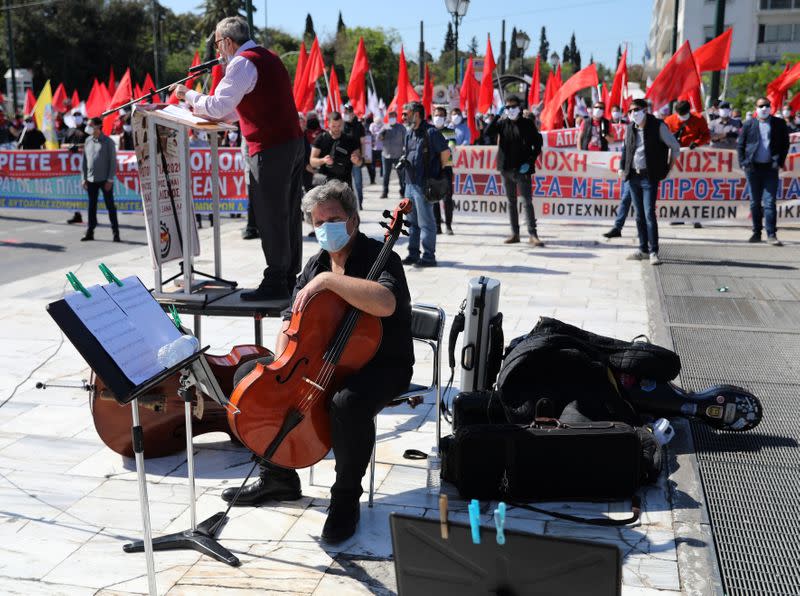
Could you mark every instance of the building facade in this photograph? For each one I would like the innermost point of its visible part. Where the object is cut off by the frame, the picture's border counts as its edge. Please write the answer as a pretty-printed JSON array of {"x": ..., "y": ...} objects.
[{"x": 763, "y": 30}]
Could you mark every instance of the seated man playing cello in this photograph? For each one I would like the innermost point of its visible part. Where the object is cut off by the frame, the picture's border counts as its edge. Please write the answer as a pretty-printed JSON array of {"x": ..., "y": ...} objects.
[{"x": 341, "y": 266}]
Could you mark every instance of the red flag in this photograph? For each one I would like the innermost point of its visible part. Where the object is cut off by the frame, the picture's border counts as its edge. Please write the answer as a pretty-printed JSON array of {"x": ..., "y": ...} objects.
[
  {"x": 216, "y": 76},
  {"x": 96, "y": 102},
  {"x": 137, "y": 91},
  {"x": 405, "y": 91},
  {"x": 76, "y": 100},
  {"x": 149, "y": 86},
  {"x": 112, "y": 87},
  {"x": 774, "y": 93},
  {"x": 124, "y": 92},
  {"x": 427, "y": 92},
  {"x": 356, "y": 88},
  {"x": 795, "y": 103},
  {"x": 315, "y": 67},
  {"x": 715, "y": 54},
  {"x": 570, "y": 112},
  {"x": 299, "y": 74},
  {"x": 580, "y": 80},
  {"x": 30, "y": 102},
  {"x": 550, "y": 90},
  {"x": 534, "y": 91},
  {"x": 469, "y": 99},
  {"x": 104, "y": 94},
  {"x": 486, "y": 94},
  {"x": 604, "y": 95},
  {"x": 790, "y": 78},
  {"x": 619, "y": 85},
  {"x": 679, "y": 76},
  {"x": 334, "y": 100},
  {"x": 59, "y": 97},
  {"x": 195, "y": 62}
]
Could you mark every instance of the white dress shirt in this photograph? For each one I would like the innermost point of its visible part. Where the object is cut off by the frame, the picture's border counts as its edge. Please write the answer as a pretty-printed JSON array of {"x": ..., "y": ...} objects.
[{"x": 239, "y": 80}]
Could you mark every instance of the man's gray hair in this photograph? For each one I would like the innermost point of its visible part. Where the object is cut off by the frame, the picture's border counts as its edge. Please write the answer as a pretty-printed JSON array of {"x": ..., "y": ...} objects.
[
  {"x": 234, "y": 27},
  {"x": 335, "y": 190}
]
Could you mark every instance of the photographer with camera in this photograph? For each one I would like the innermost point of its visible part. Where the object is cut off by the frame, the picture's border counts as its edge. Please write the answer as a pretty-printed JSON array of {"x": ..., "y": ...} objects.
[
  {"x": 335, "y": 153},
  {"x": 426, "y": 155}
]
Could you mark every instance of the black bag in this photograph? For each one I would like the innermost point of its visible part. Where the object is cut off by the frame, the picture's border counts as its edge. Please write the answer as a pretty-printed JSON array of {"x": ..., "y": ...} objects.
[
  {"x": 435, "y": 189},
  {"x": 594, "y": 461},
  {"x": 477, "y": 407}
]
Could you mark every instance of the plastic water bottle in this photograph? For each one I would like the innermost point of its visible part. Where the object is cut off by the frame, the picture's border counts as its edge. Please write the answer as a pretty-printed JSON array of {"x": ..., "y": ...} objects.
[
  {"x": 663, "y": 431},
  {"x": 434, "y": 479},
  {"x": 177, "y": 350}
]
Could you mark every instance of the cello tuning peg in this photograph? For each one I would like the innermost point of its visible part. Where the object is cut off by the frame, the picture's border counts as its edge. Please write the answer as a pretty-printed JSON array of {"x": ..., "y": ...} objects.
[
  {"x": 404, "y": 232},
  {"x": 384, "y": 225},
  {"x": 387, "y": 213}
]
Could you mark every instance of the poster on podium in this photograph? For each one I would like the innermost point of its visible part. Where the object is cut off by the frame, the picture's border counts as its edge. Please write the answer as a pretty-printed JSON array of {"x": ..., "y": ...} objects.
[{"x": 170, "y": 189}]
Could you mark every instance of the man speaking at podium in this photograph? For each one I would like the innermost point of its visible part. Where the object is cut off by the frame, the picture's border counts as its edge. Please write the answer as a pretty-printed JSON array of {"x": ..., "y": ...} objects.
[{"x": 256, "y": 91}]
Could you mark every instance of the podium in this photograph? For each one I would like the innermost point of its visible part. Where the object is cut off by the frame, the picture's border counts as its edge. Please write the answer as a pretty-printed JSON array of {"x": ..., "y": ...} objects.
[{"x": 161, "y": 141}]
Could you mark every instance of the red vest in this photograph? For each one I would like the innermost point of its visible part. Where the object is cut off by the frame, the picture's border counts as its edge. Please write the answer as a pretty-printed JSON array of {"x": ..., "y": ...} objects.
[{"x": 267, "y": 115}]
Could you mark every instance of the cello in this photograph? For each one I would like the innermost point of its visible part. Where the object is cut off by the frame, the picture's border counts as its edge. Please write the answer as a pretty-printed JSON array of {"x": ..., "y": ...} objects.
[
  {"x": 283, "y": 415},
  {"x": 161, "y": 410}
]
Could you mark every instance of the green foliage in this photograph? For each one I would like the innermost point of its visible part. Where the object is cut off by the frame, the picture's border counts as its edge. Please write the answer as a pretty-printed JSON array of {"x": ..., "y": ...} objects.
[
  {"x": 745, "y": 88},
  {"x": 473, "y": 46},
  {"x": 544, "y": 46},
  {"x": 309, "y": 34},
  {"x": 340, "y": 26},
  {"x": 449, "y": 39},
  {"x": 380, "y": 45}
]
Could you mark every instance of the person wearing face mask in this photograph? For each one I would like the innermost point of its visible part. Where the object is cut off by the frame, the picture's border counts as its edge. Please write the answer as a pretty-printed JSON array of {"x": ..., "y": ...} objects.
[
  {"x": 393, "y": 136},
  {"x": 126, "y": 137},
  {"x": 375, "y": 128},
  {"x": 794, "y": 123},
  {"x": 617, "y": 117},
  {"x": 256, "y": 91},
  {"x": 355, "y": 130},
  {"x": 762, "y": 148},
  {"x": 487, "y": 135},
  {"x": 689, "y": 129},
  {"x": 425, "y": 154},
  {"x": 460, "y": 127},
  {"x": 712, "y": 113},
  {"x": 439, "y": 119},
  {"x": 648, "y": 153},
  {"x": 519, "y": 145},
  {"x": 725, "y": 129},
  {"x": 341, "y": 266},
  {"x": 98, "y": 171},
  {"x": 31, "y": 137},
  {"x": 596, "y": 131},
  {"x": 786, "y": 113},
  {"x": 76, "y": 135},
  {"x": 335, "y": 153}
]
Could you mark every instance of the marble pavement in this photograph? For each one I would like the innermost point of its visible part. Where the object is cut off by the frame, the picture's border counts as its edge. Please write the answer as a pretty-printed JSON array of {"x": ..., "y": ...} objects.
[{"x": 68, "y": 503}]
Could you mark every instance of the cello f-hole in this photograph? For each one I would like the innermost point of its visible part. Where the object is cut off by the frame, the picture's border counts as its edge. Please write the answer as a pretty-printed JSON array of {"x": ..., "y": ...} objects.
[{"x": 281, "y": 381}]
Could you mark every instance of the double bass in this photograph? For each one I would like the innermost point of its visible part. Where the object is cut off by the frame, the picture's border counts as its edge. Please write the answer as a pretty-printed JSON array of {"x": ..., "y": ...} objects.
[
  {"x": 161, "y": 410},
  {"x": 283, "y": 415}
]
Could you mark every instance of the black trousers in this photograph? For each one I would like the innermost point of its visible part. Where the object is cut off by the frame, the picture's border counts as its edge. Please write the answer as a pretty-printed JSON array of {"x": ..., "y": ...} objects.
[
  {"x": 352, "y": 412},
  {"x": 448, "y": 203},
  {"x": 276, "y": 177},
  {"x": 93, "y": 189}
]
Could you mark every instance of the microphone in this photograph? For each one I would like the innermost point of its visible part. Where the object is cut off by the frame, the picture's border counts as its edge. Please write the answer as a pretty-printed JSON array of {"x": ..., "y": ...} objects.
[{"x": 204, "y": 66}]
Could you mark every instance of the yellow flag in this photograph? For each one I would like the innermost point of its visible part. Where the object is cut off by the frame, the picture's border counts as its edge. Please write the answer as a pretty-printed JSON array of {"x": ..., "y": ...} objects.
[{"x": 44, "y": 114}]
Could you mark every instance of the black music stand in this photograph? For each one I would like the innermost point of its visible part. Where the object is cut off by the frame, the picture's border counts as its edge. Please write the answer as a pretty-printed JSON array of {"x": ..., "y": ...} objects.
[
  {"x": 426, "y": 563},
  {"x": 199, "y": 537}
]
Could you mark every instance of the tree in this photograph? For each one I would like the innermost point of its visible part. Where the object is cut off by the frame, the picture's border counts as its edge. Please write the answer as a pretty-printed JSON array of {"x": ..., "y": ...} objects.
[
  {"x": 745, "y": 88},
  {"x": 340, "y": 24},
  {"x": 309, "y": 34},
  {"x": 513, "y": 52},
  {"x": 574, "y": 53},
  {"x": 544, "y": 46},
  {"x": 449, "y": 39},
  {"x": 473, "y": 46},
  {"x": 566, "y": 56},
  {"x": 619, "y": 54},
  {"x": 591, "y": 58}
]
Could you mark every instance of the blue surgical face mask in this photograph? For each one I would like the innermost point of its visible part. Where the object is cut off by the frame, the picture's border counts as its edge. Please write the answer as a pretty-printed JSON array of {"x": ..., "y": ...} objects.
[{"x": 333, "y": 236}]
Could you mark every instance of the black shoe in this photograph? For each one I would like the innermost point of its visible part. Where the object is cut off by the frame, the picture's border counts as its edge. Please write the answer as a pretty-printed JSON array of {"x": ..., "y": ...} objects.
[
  {"x": 342, "y": 522},
  {"x": 449, "y": 231},
  {"x": 77, "y": 218},
  {"x": 409, "y": 260},
  {"x": 756, "y": 237},
  {"x": 384, "y": 195},
  {"x": 270, "y": 488},
  {"x": 613, "y": 233},
  {"x": 425, "y": 263},
  {"x": 266, "y": 292},
  {"x": 116, "y": 237},
  {"x": 250, "y": 234},
  {"x": 199, "y": 219},
  {"x": 697, "y": 225},
  {"x": 438, "y": 230},
  {"x": 87, "y": 237}
]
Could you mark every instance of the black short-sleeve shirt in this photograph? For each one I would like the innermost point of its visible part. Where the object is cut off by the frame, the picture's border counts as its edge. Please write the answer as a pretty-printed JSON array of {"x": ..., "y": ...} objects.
[
  {"x": 396, "y": 349},
  {"x": 340, "y": 149}
]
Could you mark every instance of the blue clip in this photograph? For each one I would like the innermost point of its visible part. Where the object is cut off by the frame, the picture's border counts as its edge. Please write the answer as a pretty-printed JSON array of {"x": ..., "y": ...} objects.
[
  {"x": 500, "y": 522},
  {"x": 475, "y": 520}
]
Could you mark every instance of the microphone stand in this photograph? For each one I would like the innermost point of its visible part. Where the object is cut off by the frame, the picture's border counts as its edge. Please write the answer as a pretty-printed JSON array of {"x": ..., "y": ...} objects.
[{"x": 200, "y": 71}]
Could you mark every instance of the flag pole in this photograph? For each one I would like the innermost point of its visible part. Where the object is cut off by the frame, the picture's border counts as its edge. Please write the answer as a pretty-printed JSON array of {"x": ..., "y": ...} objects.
[
  {"x": 372, "y": 82},
  {"x": 725, "y": 83}
]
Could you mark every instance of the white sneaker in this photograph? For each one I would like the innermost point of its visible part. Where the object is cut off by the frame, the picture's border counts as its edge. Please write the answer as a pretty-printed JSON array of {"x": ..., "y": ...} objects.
[
  {"x": 654, "y": 260},
  {"x": 637, "y": 256}
]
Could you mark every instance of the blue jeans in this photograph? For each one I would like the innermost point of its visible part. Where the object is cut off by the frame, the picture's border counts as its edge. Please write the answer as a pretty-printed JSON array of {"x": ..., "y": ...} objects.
[
  {"x": 358, "y": 184},
  {"x": 644, "y": 194},
  {"x": 763, "y": 181},
  {"x": 624, "y": 206},
  {"x": 421, "y": 223}
]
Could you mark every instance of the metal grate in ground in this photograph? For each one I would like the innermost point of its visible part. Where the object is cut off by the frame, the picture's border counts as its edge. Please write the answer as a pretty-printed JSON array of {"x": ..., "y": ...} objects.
[{"x": 751, "y": 480}]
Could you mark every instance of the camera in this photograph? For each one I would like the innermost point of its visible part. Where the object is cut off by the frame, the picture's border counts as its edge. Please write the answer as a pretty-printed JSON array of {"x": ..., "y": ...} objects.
[{"x": 402, "y": 164}]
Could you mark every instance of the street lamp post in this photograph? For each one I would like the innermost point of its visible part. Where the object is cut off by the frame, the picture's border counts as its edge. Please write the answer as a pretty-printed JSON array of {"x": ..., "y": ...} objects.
[
  {"x": 457, "y": 9},
  {"x": 523, "y": 41}
]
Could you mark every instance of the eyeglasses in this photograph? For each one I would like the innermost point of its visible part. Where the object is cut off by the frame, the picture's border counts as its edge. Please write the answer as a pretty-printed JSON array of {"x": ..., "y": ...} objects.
[
  {"x": 632, "y": 110},
  {"x": 218, "y": 41},
  {"x": 762, "y": 105}
]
